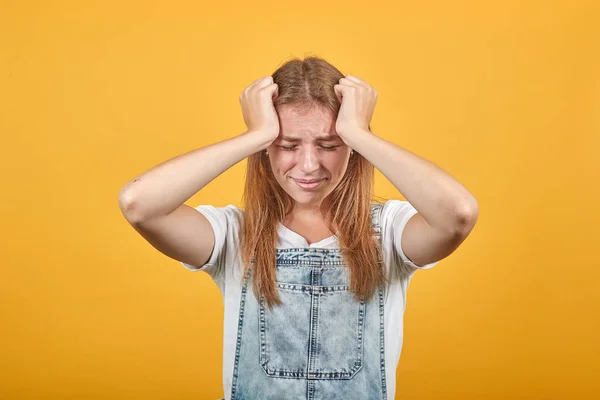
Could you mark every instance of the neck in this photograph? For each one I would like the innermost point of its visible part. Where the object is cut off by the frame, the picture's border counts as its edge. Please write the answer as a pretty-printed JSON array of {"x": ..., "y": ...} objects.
[{"x": 306, "y": 214}]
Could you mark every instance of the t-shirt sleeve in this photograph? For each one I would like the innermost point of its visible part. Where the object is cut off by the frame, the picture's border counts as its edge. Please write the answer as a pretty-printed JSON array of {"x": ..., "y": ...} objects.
[
  {"x": 395, "y": 216},
  {"x": 225, "y": 224}
]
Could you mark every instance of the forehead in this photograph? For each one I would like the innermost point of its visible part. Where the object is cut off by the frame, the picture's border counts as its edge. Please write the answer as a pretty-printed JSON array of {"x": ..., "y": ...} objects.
[{"x": 316, "y": 121}]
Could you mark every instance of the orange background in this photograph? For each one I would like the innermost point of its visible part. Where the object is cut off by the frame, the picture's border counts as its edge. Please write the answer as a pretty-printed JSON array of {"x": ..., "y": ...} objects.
[{"x": 503, "y": 95}]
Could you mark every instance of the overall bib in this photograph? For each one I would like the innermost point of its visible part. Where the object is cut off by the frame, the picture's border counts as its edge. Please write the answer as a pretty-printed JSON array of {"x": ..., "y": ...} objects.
[{"x": 320, "y": 343}]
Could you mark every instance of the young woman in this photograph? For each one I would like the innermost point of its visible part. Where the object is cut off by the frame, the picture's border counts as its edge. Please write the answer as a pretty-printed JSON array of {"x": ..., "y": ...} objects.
[{"x": 313, "y": 272}]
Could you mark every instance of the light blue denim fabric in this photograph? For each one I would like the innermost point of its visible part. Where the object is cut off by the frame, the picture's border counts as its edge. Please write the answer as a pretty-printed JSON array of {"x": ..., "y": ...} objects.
[{"x": 320, "y": 344}]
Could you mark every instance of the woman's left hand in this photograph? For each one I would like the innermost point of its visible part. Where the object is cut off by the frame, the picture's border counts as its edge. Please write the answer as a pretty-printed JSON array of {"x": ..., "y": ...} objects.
[{"x": 358, "y": 101}]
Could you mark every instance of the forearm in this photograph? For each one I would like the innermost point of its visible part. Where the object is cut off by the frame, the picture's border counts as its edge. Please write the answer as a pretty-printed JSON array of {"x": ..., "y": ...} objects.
[
  {"x": 163, "y": 188},
  {"x": 440, "y": 199}
]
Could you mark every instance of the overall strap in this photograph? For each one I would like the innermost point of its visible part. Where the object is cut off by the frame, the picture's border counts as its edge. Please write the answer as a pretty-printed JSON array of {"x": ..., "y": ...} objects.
[{"x": 376, "y": 209}]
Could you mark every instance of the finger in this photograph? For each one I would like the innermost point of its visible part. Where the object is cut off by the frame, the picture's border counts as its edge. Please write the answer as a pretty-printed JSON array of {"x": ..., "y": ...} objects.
[
  {"x": 348, "y": 82},
  {"x": 338, "y": 92},
  {"x": 356, "y": 80},
  {"x": 257, "y": 85},
  {"x": 274, "y": 91},
  {"x": 264, "y": 82},
  {"x": 271, "y": 89}
]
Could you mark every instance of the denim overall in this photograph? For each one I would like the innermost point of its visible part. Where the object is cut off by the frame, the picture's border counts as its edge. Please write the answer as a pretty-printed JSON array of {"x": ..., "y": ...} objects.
[{"x": 320, "y": 343}]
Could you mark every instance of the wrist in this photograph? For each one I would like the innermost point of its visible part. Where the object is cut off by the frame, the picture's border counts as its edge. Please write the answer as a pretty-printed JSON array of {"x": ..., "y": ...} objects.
[
  {"x": 260, "y": 139},
  {"x": 354, "y": 136}
]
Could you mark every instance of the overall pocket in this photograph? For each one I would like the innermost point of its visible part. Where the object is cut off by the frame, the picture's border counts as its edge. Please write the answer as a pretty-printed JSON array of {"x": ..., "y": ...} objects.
[{"x": 316, "y": 333}]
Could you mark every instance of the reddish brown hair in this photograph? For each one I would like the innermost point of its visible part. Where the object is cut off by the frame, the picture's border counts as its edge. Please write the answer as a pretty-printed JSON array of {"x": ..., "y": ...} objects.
[{"x": 306, "y": 84}]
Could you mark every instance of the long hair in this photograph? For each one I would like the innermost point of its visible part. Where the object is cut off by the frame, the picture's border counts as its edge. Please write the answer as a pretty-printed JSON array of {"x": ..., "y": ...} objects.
[{"x": 305, "y": 84}]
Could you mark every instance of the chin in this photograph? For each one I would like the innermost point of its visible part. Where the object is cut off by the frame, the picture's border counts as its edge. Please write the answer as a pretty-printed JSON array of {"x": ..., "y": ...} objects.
[
  {"x": 315, "y": 201},
  {"x": 306, "y": 197}
]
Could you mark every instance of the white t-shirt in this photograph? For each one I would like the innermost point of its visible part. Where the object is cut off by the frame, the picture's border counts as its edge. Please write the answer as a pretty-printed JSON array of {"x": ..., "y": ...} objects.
[{"x": 226, "y": 270}]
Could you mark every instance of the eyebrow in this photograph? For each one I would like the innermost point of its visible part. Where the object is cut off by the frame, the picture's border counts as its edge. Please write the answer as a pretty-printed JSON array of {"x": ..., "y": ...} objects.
[{"x": 323, "y": 138}]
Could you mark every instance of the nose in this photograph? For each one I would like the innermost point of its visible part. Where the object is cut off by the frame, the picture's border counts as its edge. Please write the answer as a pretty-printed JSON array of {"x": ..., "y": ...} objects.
[{"x": 309, "y": 161}]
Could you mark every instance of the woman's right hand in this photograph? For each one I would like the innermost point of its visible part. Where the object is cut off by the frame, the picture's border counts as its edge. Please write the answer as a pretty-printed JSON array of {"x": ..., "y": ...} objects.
[{"x": 258, "y": 110}]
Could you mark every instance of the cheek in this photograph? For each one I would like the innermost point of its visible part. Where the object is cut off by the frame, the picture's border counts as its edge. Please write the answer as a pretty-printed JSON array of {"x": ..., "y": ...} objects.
[
  {"x": 335, "y": 162},
  {"x": 283, "y": 161}
]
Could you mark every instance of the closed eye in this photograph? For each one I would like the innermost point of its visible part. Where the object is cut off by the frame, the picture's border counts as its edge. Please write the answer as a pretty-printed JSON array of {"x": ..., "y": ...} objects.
[{"x": 292, "y": 148}]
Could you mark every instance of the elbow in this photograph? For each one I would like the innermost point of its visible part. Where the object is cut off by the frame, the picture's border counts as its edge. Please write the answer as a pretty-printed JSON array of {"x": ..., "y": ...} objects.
[
  {"x": 466, "y": 217},
  {"x": 128, "y": 207}
]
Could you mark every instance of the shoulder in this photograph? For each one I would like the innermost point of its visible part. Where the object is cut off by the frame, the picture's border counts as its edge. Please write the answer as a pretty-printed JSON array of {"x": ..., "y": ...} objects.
[
  {"x": 395, "y": 216},
  {"x": 230, "y": 210},
  {"x": 220, "y": 217},
  {"x": 391, "y": 210},
  {"x": 392, "y": 216}
]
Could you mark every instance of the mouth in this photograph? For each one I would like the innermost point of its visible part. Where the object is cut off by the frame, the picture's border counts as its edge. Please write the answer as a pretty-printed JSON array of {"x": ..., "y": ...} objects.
[{"x": 309, "y": 184}]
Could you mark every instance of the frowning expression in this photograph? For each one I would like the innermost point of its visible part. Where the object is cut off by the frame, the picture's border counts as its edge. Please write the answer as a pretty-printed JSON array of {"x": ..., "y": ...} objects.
[{"x": 308, "y": 158}]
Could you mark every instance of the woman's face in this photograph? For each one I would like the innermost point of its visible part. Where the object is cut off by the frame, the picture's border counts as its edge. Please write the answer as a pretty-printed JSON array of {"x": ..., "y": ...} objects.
[{"x": 308, "y": 158}]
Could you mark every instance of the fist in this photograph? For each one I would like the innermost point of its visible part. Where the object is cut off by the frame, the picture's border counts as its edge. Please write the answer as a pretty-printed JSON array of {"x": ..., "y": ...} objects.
[
  {"x": 258, "y": 108},
  {"x": 358, "y": 101}
]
